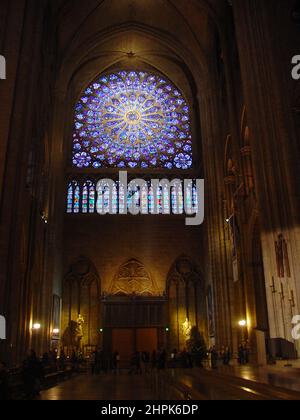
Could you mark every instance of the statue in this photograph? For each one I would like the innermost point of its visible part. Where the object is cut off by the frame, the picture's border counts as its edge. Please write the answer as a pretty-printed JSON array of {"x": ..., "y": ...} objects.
[
  {"x": 186, "y": 329},
  {"x": 79, "y": 330}
]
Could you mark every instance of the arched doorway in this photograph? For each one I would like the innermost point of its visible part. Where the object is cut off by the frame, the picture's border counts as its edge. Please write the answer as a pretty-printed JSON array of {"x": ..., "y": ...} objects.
[{"x": 133, "y": 313}]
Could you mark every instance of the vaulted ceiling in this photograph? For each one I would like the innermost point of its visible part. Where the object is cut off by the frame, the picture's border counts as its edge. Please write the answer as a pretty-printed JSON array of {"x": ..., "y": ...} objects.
[{"x": 174, "y": 36}]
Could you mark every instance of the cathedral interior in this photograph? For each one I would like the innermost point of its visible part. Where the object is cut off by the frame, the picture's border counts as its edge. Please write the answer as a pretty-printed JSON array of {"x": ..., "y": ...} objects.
[{"x": 164, "y": 94}]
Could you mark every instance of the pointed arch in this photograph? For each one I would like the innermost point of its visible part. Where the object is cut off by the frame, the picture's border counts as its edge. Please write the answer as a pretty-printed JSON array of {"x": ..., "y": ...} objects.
[
  {"x": 81, "y": 295},
  {"x": 132, "y": 278},
  {"x": 186, "y": 297}
]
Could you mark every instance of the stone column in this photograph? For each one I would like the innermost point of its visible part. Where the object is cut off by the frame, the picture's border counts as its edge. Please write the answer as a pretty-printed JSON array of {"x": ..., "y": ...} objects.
[{"x": 265, "y": 37}]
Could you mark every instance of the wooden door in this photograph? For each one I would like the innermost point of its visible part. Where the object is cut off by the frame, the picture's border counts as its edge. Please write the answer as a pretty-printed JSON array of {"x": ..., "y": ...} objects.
[
  {"x": 123, "y": 342},
  {"x": 146, "y": 339}
]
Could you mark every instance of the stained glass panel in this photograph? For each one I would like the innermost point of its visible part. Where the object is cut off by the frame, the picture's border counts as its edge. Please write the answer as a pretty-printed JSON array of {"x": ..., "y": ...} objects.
[
  {"x": 132, "y": 119},
  {"x": 76, "y": 207},
  {"x": 82, "y": 198},
  {"x": 189, "y": 199},
  {"x": 166, "y": 200},
  {"x": 85, "y": 196},
  {"x": 70, "y": 199}
]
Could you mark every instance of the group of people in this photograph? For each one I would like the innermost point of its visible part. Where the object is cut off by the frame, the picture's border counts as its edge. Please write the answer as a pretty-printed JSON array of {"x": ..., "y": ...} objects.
[
  {"x": 243, "y": 354},
  {"x": 51, "y": 360},
  {"x": 34, "y": 368},
  {"x": 183, "y": 359},
  {"x": 224, "y": 356},
  {"x": 144, "y": 361},
  {"x": 102, "y": 362},
  {"x": 33, "y": 374}
]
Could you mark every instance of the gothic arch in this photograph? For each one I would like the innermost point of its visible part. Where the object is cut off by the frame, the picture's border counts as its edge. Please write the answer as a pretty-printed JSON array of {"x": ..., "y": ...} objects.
[
  {"x": 131, "y": 279},
  {"x": 81, "y": 295},
  {"x": 186, "y": 297}
]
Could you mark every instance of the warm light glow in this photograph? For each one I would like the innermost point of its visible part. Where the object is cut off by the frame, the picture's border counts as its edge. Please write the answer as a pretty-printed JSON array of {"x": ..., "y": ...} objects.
[
  {"x": 56, "y": 331},
  {"x": 36, "y": 326},
  {"x": 243, "y": 323}
]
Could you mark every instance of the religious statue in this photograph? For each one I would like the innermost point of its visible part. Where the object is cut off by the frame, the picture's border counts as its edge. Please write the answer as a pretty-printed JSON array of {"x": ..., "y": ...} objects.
[
  {"x": 79, "y": 330},
  {"x": 186, "y": 329}
]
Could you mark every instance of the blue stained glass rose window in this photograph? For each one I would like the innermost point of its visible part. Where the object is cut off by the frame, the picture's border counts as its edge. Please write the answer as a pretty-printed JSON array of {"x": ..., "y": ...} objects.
[{"x": 132, "y": 119}]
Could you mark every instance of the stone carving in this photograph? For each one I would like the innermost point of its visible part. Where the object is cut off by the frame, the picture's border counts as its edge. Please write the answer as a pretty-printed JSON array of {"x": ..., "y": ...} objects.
[
  {"x": 79, "y": 329},
  {"x": 133, "y": 279},
  {"x": 73, "y": 334},
  {"x": 186, "y": 329}
]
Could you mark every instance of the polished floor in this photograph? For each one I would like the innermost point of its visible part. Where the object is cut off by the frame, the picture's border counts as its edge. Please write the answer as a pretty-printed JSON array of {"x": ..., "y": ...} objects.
[
  {"x": 104, "y": 387},
  {"x": 282, "y": 377},
  {"x": 233, "y": 383}
]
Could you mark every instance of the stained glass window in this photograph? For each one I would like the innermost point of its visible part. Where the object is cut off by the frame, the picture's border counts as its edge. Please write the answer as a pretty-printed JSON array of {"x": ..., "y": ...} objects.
[
  {"x": 92, "y": 197},
  {"x": 177, "y": 201},
  {"x": 85, "y": 197},
  {"x": 159, "y": 199},
  {"x": 88, "y": 197},
  {"x": 189, "y": 199},
  {"x": 70, "y": 198},
  {"x": 151, "y": 200},
  {"x": 166, "y": 200},
  {"x": 100, "y": 202},
  {"x": 76, "y": 205},
  {"x": 82, "y": 198},
  {"x": 195, "y": 200},
  {"x": 132, "y": 119},
  {"x": 115, "y": 200},
  {"x": 122, "y": 206},
  {"x": 106, "y": 196},
  {"x": 144, "y": 200}
]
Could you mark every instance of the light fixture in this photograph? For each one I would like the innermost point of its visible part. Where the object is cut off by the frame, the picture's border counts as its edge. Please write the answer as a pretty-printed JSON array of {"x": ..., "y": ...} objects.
[
  {"x": 242, "y": 323},
  {"x": 167, "y": 329},
  {"x": 36, "y": 326},
  {"x": 56, "y": 331},
  {"x": 101, "y": 330}
]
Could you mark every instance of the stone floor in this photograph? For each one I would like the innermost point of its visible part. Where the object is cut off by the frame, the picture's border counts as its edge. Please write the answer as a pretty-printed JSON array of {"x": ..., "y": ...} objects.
[
  {"x": 98, "y": 388},
  {"x": 214, "y": 385},
  {"x": 278, "y": 376}
]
